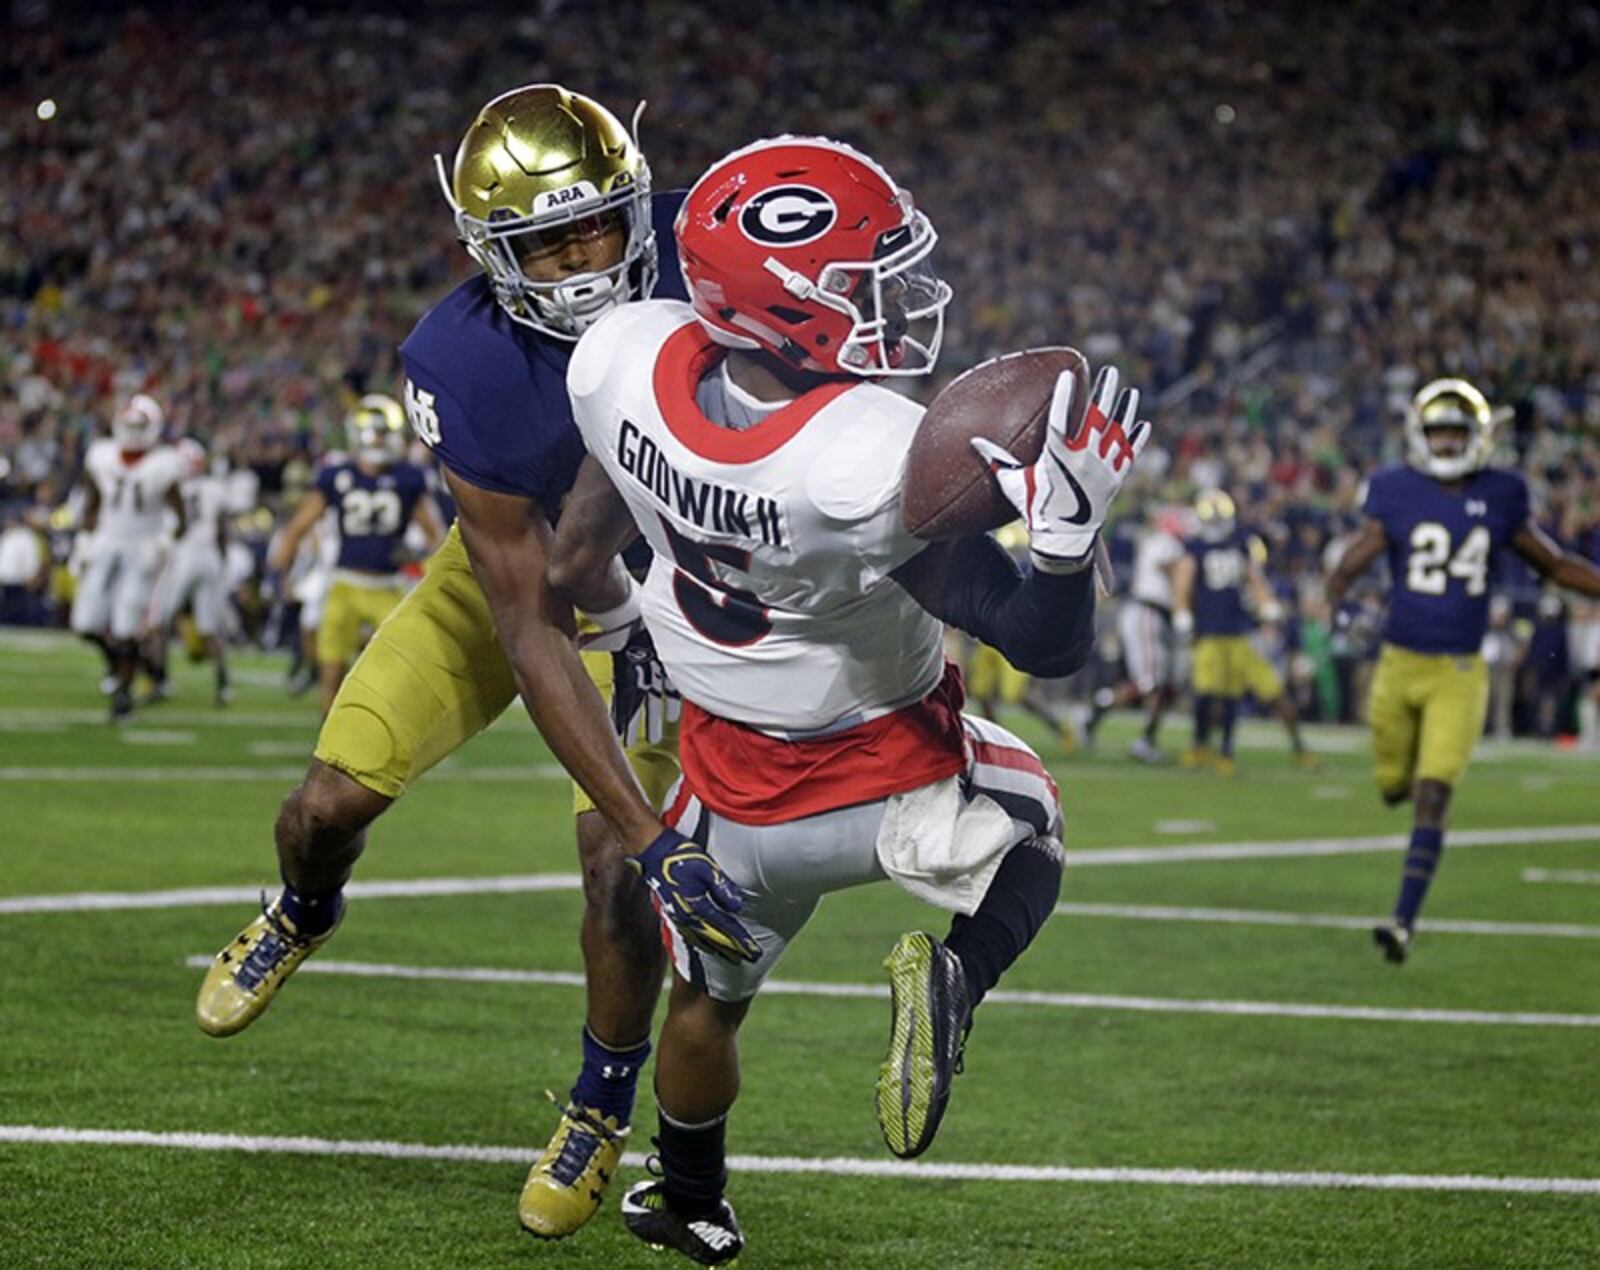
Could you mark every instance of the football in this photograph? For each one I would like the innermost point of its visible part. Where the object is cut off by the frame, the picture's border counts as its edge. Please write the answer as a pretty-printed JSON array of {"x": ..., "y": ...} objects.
[{"x": 948, "y": 491}]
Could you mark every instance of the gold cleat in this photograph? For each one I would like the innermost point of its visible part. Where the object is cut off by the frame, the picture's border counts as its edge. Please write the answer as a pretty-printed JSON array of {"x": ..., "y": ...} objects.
[
  {"x": 246, "y": 975},
  {"x": 1306, "y": 761},
  {"x": 930, "y": 1015},
  {"x": 1224, "y": 766},
  {"x": 1199, "y": 756},
  {"x": 567, "y": 1183}
]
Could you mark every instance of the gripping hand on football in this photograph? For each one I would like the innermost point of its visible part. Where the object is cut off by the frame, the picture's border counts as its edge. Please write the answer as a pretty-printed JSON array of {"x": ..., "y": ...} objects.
[
  {"x": 643, "y": 699},
  {"x": 1064, "y": 496},
  {"x": 691, "y": 892}
]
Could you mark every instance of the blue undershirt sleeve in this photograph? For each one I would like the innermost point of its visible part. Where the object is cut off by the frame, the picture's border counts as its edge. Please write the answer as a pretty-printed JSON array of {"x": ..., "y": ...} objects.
[{"x": 1042, "y": 623}]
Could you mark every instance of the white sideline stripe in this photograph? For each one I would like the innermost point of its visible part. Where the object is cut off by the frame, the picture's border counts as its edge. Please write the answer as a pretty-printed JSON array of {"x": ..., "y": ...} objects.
[
  {"x": 1262, "y": 917},
  {"x": 838, "y": 1166},
  {"x": 192, "y": 775},
  {"x": 1058, "y": 1000},
  {"x": 195, "y": 896},
  {"x": 1286, "y": 849},
  {"x": 1581, "y": 876},
  {"x": 1291, "y": 847}
]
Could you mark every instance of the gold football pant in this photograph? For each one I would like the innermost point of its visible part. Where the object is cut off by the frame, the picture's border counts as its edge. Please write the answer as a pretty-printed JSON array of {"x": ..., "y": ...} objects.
[
  {"x": 349, "y": 608},
  {"x": 1229, "y": 666},
  {"x": 1427, "y": 712},
  {"x": 433, "y": 677},
  {"x": 989, "y": 675}
]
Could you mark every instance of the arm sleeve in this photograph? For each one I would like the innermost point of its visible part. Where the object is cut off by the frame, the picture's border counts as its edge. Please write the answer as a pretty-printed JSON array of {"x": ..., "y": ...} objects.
[{"x": 1042, "y": 623}]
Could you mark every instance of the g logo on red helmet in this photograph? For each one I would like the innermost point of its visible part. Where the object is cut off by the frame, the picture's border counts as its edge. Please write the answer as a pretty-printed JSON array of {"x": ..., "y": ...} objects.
[{"x": 788, "y": 215}]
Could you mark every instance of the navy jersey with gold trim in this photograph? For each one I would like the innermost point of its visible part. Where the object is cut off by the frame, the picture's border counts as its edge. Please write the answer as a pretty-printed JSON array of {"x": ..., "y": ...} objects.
[
  {"x": 489, "y": 396},
  {"x": 1221, "y": 571},
  {"x": 372, "y": 510},
  {"x": 1444, "y": 545}
]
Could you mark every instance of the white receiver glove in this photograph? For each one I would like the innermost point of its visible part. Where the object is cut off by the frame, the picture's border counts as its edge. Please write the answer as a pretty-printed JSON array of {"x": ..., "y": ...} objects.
[{"x": 1064, "y": 497}]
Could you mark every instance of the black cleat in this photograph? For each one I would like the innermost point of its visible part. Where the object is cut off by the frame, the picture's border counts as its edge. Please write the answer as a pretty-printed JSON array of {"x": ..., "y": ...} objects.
[
  {"x": 1395, "y": 940},
  {"x": 930, "y": 1015},
  {"x": 121, "y": 705},
  {"x": 712, "y": 1240}
]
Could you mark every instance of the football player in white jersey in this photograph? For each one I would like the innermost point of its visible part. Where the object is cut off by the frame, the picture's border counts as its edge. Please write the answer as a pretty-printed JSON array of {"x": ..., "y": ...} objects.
[
  {"x": 1144, "y": 628},
  {"x": 131, "y": 480},
  {"x": 194, "y": 577},
  {"x": 822, "y": 740}
]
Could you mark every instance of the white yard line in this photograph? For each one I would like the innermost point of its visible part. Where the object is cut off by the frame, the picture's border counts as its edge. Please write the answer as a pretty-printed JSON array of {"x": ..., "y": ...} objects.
[
  {"x": 192, "y": 897},
  {"x": 1049, "y": 1000},
  {"x": 1579, "y": 877},
  {"x": 835, "y": 1166},
  {"x": 186, "y": 775},
  {"x": 1262, "y": 917},
  {"x": 1191, "y": 852},
  {"x": 1295, "y": 847}
]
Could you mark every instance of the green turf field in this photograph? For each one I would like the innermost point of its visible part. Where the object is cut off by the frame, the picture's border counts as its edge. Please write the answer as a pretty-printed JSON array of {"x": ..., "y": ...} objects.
[{"x": 1193, "y": 1014}]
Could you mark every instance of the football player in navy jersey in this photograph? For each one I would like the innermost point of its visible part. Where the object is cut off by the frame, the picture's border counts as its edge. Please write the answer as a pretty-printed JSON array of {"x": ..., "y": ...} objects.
[
  {"x": 551, "y": 197},
  {"x": 1442, "y": 522},
  {"x": 1222, "y": 562},
  {"x": 374, "y": 496}
]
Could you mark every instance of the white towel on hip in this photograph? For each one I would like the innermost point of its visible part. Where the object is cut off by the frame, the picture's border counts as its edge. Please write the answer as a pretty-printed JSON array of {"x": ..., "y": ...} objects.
[{"x": 942, "y": 847}]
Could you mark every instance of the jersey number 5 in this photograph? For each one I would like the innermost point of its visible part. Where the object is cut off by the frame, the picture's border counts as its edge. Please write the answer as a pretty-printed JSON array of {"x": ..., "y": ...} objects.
[
  {"x": 1431, "y": 565},
  {"x": 723, "y": 614}
]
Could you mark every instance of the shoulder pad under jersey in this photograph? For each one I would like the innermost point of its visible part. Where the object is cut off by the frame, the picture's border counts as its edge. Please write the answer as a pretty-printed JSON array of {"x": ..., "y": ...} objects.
[{"x": 860, "y": 470}]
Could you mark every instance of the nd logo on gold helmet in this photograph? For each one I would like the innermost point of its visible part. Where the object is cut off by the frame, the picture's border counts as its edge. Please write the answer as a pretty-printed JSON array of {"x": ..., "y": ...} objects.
[
  {"x": 552, "y": 198},
  {"x": 375, "y": 430},
  {"x": 1460, "y": 416}
]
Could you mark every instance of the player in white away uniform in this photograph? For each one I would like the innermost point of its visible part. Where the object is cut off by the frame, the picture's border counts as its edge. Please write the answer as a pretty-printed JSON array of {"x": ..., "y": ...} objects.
[
  {"x": 822, "y": 740},
  {"x": 195, "y": 576},
  {"x": 1144, "y": 628},
  {"x": 131, "y": 481}
]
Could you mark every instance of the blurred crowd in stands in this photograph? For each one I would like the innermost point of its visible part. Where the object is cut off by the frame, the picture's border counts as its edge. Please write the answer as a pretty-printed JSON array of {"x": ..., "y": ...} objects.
[{"x": 1280, "y": 221}]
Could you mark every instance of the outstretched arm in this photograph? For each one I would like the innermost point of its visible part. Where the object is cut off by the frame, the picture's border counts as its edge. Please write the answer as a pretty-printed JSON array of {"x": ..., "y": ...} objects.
[
  {"x": 596, "y": 527},
  {"x": 1564, "y": 568},
  {"x": 426, "y": 514},
  {"x": 174, "y": 501},
  {"x": 1183, "y": 594},
  {"x": 1042, "y": 623},
  {"x": 1355, "y": 561},
  {"x": 508, "y": 541},
  {"x": 311, "y": 507}
]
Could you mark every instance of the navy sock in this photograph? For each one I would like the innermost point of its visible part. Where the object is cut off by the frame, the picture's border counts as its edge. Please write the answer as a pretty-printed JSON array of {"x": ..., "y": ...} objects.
[
  {"x": 1203, "y": 709},
  {"x": 1021, "y": 897},
  {"x": 609, "y": 1077},
  {"x": 1230, "y": 714},
  {"x": 1422, "y": 858},
  {"x": 693, "y": 1163},
  {"x": 311, "y": 915}
]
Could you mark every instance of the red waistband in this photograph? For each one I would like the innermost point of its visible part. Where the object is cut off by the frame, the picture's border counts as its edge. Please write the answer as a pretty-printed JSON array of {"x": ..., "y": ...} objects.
[{"x": 756, "y": 779}]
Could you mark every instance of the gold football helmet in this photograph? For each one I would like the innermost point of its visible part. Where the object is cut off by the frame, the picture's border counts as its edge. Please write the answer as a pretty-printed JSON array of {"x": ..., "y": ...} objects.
[
  {"x": 1215, "y": 513},
  {"x": 375, "y": 430},
  {"x": 538, "y": 166},
  {"x": 1450, "y": 403}
]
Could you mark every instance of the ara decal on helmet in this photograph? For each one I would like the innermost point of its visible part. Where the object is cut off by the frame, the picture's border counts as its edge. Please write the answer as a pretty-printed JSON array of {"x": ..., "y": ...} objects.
[{"x": 541, "y": 171}]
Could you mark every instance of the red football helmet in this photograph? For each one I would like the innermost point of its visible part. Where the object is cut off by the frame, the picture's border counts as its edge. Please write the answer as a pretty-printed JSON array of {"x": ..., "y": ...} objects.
[
  {"x": 137, "y": 426},
  {"x": 806, "y": 248}
]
